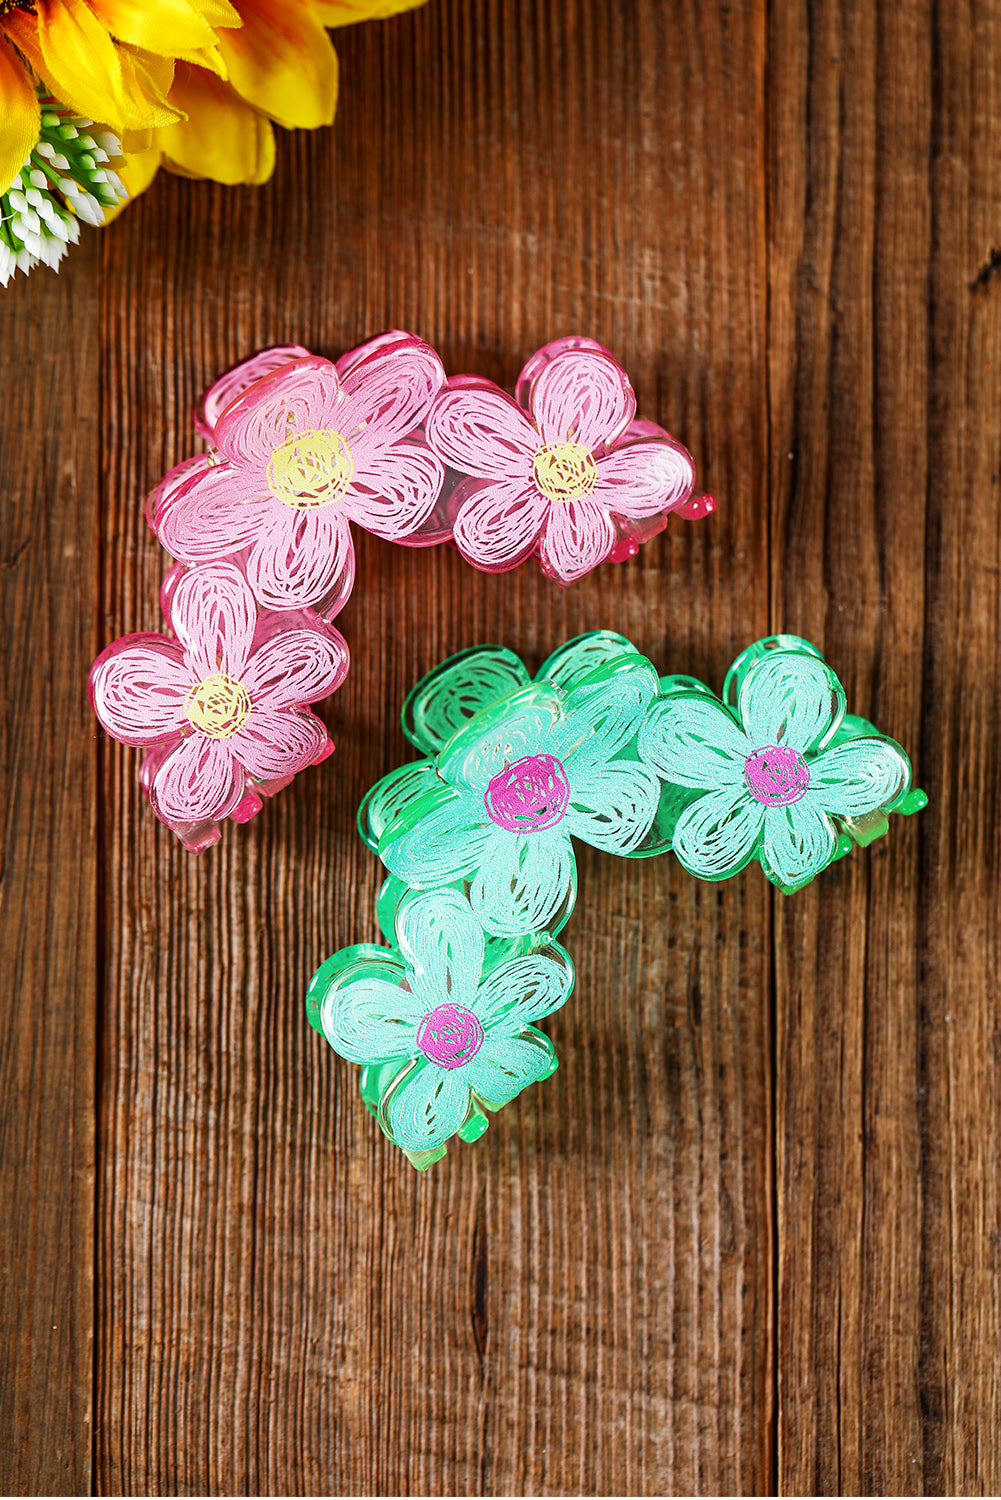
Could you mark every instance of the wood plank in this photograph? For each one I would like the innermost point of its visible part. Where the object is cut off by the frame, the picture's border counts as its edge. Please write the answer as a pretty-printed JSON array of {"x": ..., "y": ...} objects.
[
  {"x": 884, "y": 192},
  {"x": 48, "y": 878},
  {"x": 581, "y": 1302}
]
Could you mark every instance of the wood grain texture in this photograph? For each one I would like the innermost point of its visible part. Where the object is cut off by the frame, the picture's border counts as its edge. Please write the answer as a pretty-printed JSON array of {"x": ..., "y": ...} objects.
[
  {"x": 49, "y": 544},
  {"x": 884, "y": 462},
  {"x": 747, "y": 1239},
  {"x": 581, "y": 1301}
]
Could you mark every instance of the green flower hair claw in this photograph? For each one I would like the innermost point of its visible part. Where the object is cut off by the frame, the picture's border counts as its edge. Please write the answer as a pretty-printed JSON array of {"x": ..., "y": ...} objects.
[
  {"x": 525, "y": 765},
  {"x": 776, "y": 771},
  {"x": 441, "y": 1036}
]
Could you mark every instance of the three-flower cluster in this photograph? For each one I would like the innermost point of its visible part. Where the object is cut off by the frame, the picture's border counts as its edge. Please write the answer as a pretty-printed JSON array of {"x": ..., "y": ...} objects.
[
  {"x": 477, "y": 839},
  {"x": 299, "y": 449}
]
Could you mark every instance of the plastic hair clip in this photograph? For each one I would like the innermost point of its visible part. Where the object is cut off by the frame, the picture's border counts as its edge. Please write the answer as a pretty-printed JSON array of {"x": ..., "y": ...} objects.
[
  {"x": 301, "y": 451},
  {"x": 775, "y": 771},
  {"x": 301, "y": 446},
  {"x": 219, "y": 707},
  {"x": 562, "y": 470},
  {"x": 441, "y": 1035},
  {"x": 477, "y": 833},
  {"x": 513, "y": 768}
]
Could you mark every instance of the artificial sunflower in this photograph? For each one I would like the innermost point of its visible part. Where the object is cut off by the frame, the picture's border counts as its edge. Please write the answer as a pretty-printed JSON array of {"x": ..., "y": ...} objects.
[{"x": 193, "y": 85}]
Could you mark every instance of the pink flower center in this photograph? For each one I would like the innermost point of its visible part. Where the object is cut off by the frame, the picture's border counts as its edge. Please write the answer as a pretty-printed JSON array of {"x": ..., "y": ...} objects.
[
  {"x": 776, "y": 775},
  {"x": 217, "y": 706},
  {"x": 311, "y": 469},
  {"x": 564, "y": 471},
  {"x": 450, "y": 1035},
  {"x": 529, "y": 795}
]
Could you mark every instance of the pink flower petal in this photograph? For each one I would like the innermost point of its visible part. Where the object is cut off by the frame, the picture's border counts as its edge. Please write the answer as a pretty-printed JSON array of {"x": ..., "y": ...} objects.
[
  {"x": 214, "y": 615},
  {"x": 175, "y": 479},
  {"x": 298, "y": 666},
  {"x": 235, "y": 381},
  {"x": 218, "y": 511},
  {"x": 578, "y": 537},
  {"x": 300, "y": 397},
  {"x": 137, "y": 688},
  {"x": 478, "y": 429},
  {"x": 304, "y": 557},
  {"x": 642, "y": 478},
  {"x": 537, "y": 362},
  {"x": 389, "y": 390},
  {"x": 200, "y": 780},
  {"x": 352, "y": 357},
  {"x": 396, "y": 490},
  {"x": 582, "y": 396},
  {"x": 498, "y": 527},
  {"x": 278, "y": 742}
]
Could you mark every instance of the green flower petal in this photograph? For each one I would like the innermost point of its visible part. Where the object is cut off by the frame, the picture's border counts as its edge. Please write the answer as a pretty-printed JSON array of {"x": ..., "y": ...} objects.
[
  {"x": 583, "y": 655},
  {"x": 391, "y": 797},
  {"x": 507, "y": 731},
  {"x": 799, "y": 842},
  {"x": 442, "y": 944},
  {"x": 424, "y": 1106},
  {"x": 614, "y": 807},
  {"x": 603, "y": 714},
  {"x": 691, "y": 740},
  {"x": 505, "y": 1065},
  {"x": 456, "y": 690},
  {"x": 525, "y": 989},
  {"x": 370, "y": 1021},
  {"x": 789, "y": 698},
  {"x": 858, "y": 776},
  {"x": 440, "y": 839},
  {"x": 525, "y": 882},
  {"x": 717, "y": 835}
]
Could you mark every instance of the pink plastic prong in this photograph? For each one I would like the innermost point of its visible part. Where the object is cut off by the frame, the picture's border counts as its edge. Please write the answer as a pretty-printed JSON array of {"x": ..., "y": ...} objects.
[{"x": 697, "y": 507}]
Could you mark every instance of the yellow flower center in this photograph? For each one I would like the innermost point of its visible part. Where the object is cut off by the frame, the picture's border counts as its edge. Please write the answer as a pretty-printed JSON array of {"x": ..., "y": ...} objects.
[
  {"x": 311, "y": 469},
  {"x": 218, "y": 705},
  {"x": 564, "y": 471}
]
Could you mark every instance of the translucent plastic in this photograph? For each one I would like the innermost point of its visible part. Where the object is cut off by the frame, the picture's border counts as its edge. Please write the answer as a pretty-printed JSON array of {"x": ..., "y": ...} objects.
[
  {"x": 477, "y": 836},
  {"x": 219, "y": 706},
  {"x": 561, "y": 470},
  {"x": 302, "y": 446},
  {"x": 441, "y": 1037},
  {"x": 493, "y": 812},
  {"x": 774, "y": 771}
]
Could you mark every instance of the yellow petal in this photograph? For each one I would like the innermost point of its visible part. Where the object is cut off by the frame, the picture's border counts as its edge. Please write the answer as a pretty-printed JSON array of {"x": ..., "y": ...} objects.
[
  {"x": 136, "y": 172},
  {"x": 206, "y": 57},
  {"x": 20, "y": 117},
  {"x": 218, "y": 13},
  {"x": 147, "y": 77},
  {"x": 223, "y": 137},
  {"x": 135, "y": 142},
  {"x": 283, "y": 63},
  {"x": 167, "y": 28},
  {"x": 68, "y": 47},
  {"x": 347, "y": 12}
]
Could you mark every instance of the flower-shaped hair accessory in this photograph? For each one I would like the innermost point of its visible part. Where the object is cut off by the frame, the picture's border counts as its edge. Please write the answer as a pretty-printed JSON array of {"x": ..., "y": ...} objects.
[
  {"x": 562, "y": 469},
  {"x": 454, "y": 692},
  {"x": 306, "y": 449},
  {"x": 234, "y": 382},
  {"x": 537, "y": 765},
  {"x": 781, "y": 774},
  {"x": 445, "y": 1038},
  {"x": 220, "y": 707}
]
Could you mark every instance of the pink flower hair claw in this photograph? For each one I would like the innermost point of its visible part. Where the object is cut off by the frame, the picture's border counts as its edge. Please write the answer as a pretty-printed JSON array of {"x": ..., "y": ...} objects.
[
  {"x": 301, "y": 451},
  {"x": 563, "y": 470},
  {"x": 220, "y": 707}
]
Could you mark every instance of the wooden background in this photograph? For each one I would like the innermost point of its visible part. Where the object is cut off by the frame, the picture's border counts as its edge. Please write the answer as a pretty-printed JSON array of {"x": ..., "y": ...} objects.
[{"x": 748, "y": 1239}]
